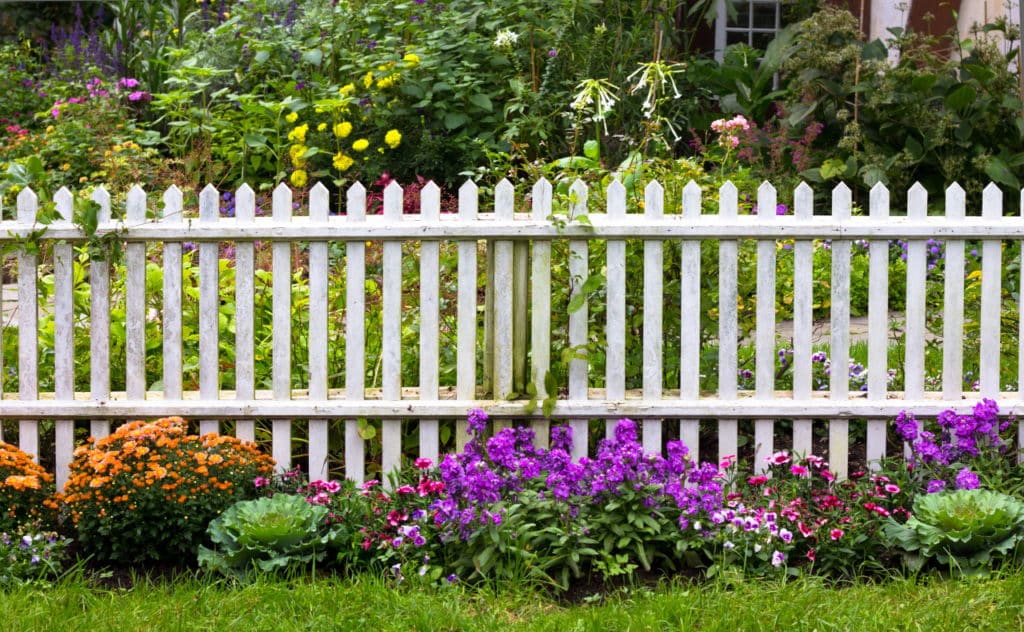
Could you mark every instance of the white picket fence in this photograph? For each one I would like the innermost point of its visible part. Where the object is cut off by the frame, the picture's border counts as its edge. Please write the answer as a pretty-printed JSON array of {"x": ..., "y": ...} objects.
[{"x": 509, "y": 237}]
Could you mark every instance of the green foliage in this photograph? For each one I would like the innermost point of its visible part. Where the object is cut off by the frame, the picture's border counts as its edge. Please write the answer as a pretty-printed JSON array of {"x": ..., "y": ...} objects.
[
  {"x": 269, "y": 534},
  {"x": 967, "y": 530},
  {"x": 32, "y": 557}
]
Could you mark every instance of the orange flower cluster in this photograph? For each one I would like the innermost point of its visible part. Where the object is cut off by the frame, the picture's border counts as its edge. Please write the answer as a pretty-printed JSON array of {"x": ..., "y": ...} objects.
[
  {"x": 155, "y": 486},
  {"x": 25, "y": 490}
]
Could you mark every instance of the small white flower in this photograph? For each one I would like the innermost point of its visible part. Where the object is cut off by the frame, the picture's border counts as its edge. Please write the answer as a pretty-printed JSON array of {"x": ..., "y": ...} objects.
[{"x": 506, "y": 38}]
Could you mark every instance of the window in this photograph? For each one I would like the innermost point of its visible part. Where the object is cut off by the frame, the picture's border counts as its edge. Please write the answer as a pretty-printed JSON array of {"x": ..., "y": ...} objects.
[{"x": 756, "y": 22}]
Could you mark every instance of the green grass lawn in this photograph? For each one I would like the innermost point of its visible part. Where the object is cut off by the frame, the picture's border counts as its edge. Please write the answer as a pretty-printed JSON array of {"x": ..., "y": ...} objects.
[{"x": 367, "y": 603}]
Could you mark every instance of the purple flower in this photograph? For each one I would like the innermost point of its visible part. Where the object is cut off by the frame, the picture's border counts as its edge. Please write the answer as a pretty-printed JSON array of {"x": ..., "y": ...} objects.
[
  {"x": 778, "y": 558},
  {"x": 966, "y": 479},
  {"x": 935, "y": 486}
]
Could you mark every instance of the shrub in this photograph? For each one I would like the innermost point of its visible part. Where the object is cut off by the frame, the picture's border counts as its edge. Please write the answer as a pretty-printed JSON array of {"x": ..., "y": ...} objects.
[
  {"x": 26, "y": 491},
  {"x": 270, "y": 534},
  {"x": 148, "y": 491}
]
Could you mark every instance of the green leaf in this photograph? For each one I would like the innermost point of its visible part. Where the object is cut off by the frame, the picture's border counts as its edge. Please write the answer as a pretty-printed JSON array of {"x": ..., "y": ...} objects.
[
  {"x": 255, "y": 140},
  {"x": 313, "y": 56},
  {"x": 481, "y": 101},
  {"x": 961, "y": 97},
  {"x": 592, "y": 149},
  {"x": 1000, "y": 173},
  {"x": 454, "y": 120},
  {"x": 261, "y": 56}
]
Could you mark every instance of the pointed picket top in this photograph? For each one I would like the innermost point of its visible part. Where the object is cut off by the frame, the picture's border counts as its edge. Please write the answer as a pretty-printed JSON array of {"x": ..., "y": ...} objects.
[
  {"x": 355, "y": 202},
  {"x": 728, "y": 198},
  {"x": 209, "y": 204},
  {"x": 803, "y": 201},
  {"x": 766, "y": 200},
  {"x": 842, "y": 202},
  {"x": 430, "y": 202},
  {"x": 393, "y": 201},
  {"x": 504, "y": 200},
  {"x": 135, "y": 205},
  {"x": 65, "y": 204},
  {"x": 172, "y": 204},
  {"x": 542, "y": 192},
  {"x": 917, "y": 201},
  {"x": 319, "y": 203},
  {"x": 468, "y": 200},
  {"x": 245, "y": 204},
  {"x": 578, "y": 199},
  {"x": 992, "y": 201},
  {"x": 101, "y": 197},
  {"x": 956, "y": 200},
  {"x": 654, "y": 199},
  {"x": 691, "y": 199},
  {"x": 879, "y": 201},
  {"x": 28, "y": 201},
  {"x": 282, "y": 203},
  {"x": 616, "y": 199}
]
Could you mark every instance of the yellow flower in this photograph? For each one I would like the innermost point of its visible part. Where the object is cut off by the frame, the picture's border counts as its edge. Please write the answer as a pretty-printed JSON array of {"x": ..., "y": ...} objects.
[
  {"x": 411, "y": 60},
  {"x": 49, "y": 128},
  {"x": 361, "y": 144},
  {"x": 343, "y": 129},
  {"x": 321, "y": 127},
  {"x": 368, "y": 79},
  {"x": 346, "y": 89},
  {"x": 342, "y": 162},
  {"x": 298, "y": 178},
  {"x": 392, "y": 138},
  {"x": 296, "y": 152},
  {"x": 386, "y": 82},
  {"x": 291, "y": 117},
  {"x": 299, "y": 133}
]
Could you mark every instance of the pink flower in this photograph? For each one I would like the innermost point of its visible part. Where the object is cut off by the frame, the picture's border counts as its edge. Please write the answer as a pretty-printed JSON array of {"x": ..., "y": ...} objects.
[
  {"x": 757, "y": 480},
  {"x": 260, "y": 481},
  {"x": 405, "y": 489},
  {"x": 799, "y": 470},
  {"x": 423, "y": 463},
  {"x": 892, "y": 489},
  {"x": 805, "y": 530},
  {"x": 835, "y": 534},
  {"x": 779, "y": 458},
  {"x": 811, "y": 555}
]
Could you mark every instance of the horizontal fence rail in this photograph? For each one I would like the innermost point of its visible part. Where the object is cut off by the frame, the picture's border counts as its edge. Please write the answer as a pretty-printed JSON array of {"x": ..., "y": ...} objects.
[{"x": 505, "y": 272}]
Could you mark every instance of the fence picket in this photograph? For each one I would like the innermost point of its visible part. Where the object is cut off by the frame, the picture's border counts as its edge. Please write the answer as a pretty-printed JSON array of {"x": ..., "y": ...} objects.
[
  {"x": 913, "y": 371},
  {"x": 953, "y": 302},
  {"x": 209, "y": 307},
  {"x": 99, "y": 315},
  {"x": 63, "y": 337},
  {"x": 764, "y": 429},
  {"x": 654, "y": 210},
  {"x": 171, "y": 316},
  {"x": 839, "y": 383},
  {"x": 615, "y": 322},
  {"x": 28, "y": 327},
  {"x": 319, "y": 204},
  {"x": 355, "y": 334},
  {"x": 540, "y": 306},
  {"x": 689, "y": 318},
  {"x": 501, "y": 361},
  {"x": 991, "y": 296},
  {"x": 391, "y": 348},
  {"x": 728, "y": 330},
  {"x": 878, "y": 324},
  {"x": 245, "y": 296},
  {"x": 281, "y": 321},
  {"x": 466, "y": 312},
  {"x": 579, "y": 271},
  {"x": 803, "y": 318},
  {"x": 430, "y": 319},
  {"x": 135, "y": 299}
]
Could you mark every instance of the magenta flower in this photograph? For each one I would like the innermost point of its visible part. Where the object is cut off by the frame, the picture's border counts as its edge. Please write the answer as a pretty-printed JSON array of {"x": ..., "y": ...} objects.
[
  {"x": 423, "y": 463},
  {"x": 799, "y": 470},
  {"x": 835, "y": 534}
]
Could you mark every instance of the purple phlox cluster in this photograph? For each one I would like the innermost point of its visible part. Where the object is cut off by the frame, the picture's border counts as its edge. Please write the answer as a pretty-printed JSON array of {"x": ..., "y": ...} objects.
[{"x": 966, "y": 479}]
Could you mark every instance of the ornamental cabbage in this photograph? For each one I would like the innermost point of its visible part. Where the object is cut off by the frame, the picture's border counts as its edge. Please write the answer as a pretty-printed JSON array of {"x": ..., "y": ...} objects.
[
  {"x": 270, "y": 534},
  {"x": 966, "y": 529}
]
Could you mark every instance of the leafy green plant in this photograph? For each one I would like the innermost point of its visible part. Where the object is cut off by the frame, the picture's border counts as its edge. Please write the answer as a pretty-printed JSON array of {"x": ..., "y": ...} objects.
[
  {"x": 269, "y": 534},
  {"x": 34, "y": 556},
  {"x": 968, "y": 530}
]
